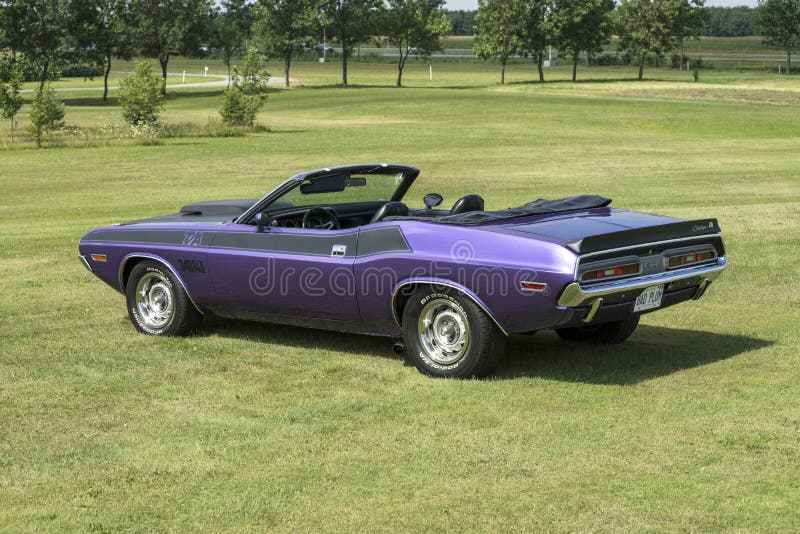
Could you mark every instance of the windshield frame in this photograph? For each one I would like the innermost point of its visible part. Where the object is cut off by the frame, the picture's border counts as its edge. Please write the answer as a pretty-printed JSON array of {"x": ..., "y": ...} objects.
[{"x": 409, "y": 174}]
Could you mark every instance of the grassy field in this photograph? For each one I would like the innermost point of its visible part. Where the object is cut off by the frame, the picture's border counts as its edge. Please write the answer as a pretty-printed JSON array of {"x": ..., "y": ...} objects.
[{"x": 693, "y": 424}]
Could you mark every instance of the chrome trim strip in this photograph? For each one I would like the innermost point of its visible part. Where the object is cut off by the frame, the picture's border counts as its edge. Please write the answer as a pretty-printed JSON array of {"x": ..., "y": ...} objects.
[
  {"x": 446, "y": 284},
  {"x": 679, "y": 240},
  {"x": 593, "y": 310},
  {"x": 701, "y": 289},
  {"x": 574, "y": 295},
  {"x": 85, "y": 263},
  {"x": 165, "y": 264}
]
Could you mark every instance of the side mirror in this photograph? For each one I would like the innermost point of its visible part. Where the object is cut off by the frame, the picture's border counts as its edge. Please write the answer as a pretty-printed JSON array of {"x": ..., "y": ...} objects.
[
  {"x": 432, "y": 200},
  {"x": 262, "y": 220}
]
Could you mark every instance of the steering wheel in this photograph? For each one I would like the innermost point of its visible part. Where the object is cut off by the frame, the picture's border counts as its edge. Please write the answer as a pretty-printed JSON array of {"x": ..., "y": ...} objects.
[{"x": 321, "y": 219}]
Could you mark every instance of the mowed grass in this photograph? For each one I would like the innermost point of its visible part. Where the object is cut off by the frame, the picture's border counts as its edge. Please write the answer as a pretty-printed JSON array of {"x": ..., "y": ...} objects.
[{"x": 693, "y": 424}]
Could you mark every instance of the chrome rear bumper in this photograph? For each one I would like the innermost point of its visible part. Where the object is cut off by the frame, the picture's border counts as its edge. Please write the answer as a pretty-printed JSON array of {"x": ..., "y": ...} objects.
[{"x": 574, "y": 295}]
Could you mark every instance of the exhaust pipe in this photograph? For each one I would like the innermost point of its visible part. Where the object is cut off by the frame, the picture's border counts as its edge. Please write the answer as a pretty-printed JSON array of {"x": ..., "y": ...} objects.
[{"x": 399, "y": 347}]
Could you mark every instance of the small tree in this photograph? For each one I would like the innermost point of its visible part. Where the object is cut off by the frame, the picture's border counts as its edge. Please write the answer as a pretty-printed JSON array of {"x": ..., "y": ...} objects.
[
  {"x": 649, "y": 26},
  {"x": 687, "y": 22},
  {"x": 141, "y": 95},
  {"x": 420, "y": 24},
  {"x": 233, "y": 27},
  {"x": 778, "y": 21},
  {"x": 581, "y": 26},
  {"x": 10, "y": 99},
  {"x": 351, "y": 23},
  {"x": 247, "y": 93},
  {"x": 536, "y": 33},
  {"x": 284, "y": 25},
  {"x": 46, "y": 114},
  {"x": 501, "y": 26}
]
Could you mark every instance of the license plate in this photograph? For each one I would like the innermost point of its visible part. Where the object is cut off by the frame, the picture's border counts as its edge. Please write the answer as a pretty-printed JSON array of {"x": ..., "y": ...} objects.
[{"x": 650, "y": 298}]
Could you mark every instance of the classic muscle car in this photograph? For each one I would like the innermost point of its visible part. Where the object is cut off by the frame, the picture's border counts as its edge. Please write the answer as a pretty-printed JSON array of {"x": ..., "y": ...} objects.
[{"x": 337, "y": 248}]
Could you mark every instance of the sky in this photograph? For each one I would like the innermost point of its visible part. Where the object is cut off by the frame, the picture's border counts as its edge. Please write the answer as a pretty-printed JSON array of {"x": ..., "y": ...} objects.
[{"x": 473, "y": 4}]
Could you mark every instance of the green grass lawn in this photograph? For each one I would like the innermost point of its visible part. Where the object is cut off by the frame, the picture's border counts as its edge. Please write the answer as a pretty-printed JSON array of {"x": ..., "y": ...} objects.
[{"x": 693, "y": 424}]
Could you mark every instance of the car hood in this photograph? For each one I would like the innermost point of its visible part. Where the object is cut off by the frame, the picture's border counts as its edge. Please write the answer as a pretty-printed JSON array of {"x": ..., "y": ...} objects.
[{"x": 208, "y": 212}]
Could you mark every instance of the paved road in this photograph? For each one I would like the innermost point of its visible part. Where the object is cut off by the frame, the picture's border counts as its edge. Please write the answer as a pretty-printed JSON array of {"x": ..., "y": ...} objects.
[{"x": 219, "y": 80}]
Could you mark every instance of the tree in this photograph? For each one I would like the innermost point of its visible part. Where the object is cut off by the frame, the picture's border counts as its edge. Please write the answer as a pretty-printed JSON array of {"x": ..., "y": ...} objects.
[
  {"x": 39, "y": 29},
  {"x": 141, "y": 95},
  {"x": 46, "y": 114},
  {"x": 102, "y": 32},
  {"x": 414, "y": 24},
  {"x": 351, "y": 23},
  {"x": 169, "y": 27},
  {"x": 233, "y": 26},
  {"x": 645, "y": 27},
  {"x": 10, "y": 99},
  {"x": 778, "y": 22},
  {"x": 687, "y": 21},
  {"x": 501, "y": 25},
  {"x": 283, "y": 25},
  {"x": 581, "y": 26},
  {"x": 536, "y": 32},
  {"x": 247, "y": 93}
]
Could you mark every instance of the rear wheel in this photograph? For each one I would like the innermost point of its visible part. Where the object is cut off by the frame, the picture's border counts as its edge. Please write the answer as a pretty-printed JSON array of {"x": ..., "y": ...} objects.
[
  {"x": 448, "y": 335},
  {"x": 157, "y": 302},
  {"x": 610, "y": 333}
]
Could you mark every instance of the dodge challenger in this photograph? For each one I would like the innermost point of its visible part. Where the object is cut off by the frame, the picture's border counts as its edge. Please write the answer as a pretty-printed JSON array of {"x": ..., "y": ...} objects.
[{"x": 337, "y": 248}]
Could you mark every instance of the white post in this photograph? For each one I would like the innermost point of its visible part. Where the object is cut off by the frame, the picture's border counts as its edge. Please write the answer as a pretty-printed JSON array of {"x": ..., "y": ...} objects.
[
  {"x": 430, "y": 71},
  {"x": 184, "y": 77},
  {"x": 205, "y": 74}
]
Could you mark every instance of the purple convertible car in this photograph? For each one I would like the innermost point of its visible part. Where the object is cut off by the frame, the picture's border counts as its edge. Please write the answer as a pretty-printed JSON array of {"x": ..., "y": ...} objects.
[{"x": 336, "y": 248}]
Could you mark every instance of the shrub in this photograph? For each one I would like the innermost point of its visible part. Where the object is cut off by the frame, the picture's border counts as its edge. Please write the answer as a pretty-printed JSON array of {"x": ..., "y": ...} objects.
[
  {"x": 87, "y": 72},
  {"x": 46, "y": 113},
  {"x": 247, "y": 92},
  {"x": 10, "y": 99},
  {"x": 141, "y": 95}
]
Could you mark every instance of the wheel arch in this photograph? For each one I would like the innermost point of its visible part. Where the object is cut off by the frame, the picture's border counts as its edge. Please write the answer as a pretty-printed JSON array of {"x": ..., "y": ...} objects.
[
  {"x": 406, "y": 288},
  {"x": 131, "y": 260}
]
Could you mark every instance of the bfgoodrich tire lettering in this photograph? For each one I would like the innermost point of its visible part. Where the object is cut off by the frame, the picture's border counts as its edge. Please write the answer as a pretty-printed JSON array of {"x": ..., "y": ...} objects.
[
  {"x": 157, "y": 302},
  {"x": 448, "y": 335}
]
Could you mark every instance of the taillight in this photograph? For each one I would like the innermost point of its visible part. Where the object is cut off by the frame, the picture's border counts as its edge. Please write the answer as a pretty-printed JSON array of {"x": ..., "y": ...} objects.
[
  {"x": 614, "y": 271},
  {"x": 689, "y": 258}
]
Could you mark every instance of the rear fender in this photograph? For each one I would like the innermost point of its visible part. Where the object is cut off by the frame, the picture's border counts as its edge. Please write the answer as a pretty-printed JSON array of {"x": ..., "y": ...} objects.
[{"x": 399, "y": 298}]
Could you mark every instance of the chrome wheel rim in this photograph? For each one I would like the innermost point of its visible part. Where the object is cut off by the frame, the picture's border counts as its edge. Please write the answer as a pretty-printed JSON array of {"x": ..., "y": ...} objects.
[
  {"x": 155, "y": 300},
  {"x": 443, "y": 331}
]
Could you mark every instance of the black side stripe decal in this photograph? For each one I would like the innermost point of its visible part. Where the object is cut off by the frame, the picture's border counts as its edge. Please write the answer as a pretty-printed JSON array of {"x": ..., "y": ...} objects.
[{"x": 379, "y": 240}]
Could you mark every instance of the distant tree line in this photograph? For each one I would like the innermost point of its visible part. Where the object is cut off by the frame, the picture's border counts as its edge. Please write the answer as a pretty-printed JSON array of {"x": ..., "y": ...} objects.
[
  {"x": 644, "y": 28},
  {"x": 728, "y": 21},
  {"x": 462, "y": 21},
  {"x": 717, "y": 21}
]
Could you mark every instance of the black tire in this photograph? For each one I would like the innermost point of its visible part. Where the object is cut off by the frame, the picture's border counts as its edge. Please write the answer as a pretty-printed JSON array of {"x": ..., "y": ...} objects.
[
  {"x": 157, "y": 302},
  {"x": 482, "y": 346},
  {"x": 608, "y": 333}
]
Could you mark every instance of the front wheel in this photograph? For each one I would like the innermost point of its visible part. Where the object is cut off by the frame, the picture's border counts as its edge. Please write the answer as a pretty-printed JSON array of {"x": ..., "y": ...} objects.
[
  {"x": 609, "y": 333},
  {"x": 448, "y": 335},
  {"x": 157, "y": 302}
]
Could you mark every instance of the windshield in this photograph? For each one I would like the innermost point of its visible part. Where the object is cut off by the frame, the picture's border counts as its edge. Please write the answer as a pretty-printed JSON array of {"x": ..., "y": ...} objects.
[{"x": 341, "y": 188}]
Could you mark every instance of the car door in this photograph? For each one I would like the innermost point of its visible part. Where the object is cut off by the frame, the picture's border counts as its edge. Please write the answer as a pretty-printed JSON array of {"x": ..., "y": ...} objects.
[{"x": 296, "y": 272}]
